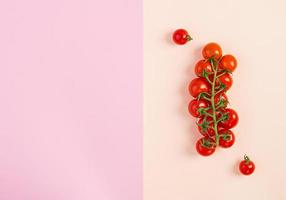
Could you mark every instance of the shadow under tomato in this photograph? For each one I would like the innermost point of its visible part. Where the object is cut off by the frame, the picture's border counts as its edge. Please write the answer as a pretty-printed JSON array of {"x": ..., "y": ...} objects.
[
  {"x": 235, "y": 168},
  {"x": 169, "y": 38}
]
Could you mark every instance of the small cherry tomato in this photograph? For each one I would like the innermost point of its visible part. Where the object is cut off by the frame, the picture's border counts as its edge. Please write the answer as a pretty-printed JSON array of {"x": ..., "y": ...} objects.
[
  {"x": 231, "y": 118},
  {"x": 246, "y": 166},
  {"x": 226, "y": 138},
  {"x": 181, "y": 36},
  {"x": 228, "y": 62},
  {"x": 226, "y": 80},
  {"x": 199, "y": 85},
  {"x": 203, "y": 65},
  {"x": 205, "y": 146},
  {"x": 221, "y": 97},
  {"x": 212, "y": 50},
  {"x": 195, "y": 105}
]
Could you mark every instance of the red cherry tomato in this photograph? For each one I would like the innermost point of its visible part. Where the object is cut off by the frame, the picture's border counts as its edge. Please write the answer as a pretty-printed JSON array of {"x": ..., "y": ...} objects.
[
  {"x": 221, "y": 97},
  {"x": 212, "y": 50},
  {"x": 228, "y": 62},
  {"x": 201, "y": 66},
  {"x": 226, "y": 138},
  {"x": 205, "y": 146},
  {"x": 226, "y": 80},
  {"x": 232, "y": 118},
  {"x": 181, "y": 36},
  {"x": 195, "y": 105},
  {"x": 199, "y": 85},
  {"x": 246, "y": 166}
]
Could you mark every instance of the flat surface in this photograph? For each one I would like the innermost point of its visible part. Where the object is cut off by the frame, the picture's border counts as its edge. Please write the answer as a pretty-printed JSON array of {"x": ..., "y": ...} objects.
[
  {"x": 253, "y": 32},
  {"x": 71, "y": 100}
]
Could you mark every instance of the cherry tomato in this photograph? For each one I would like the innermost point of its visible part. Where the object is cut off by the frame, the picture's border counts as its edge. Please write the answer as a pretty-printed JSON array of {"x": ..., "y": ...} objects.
[
  {"x": 212, "y": 50},
  {"x": 228, "y": 62},
  {"x": 221, "y": 97},
  {"x": 232, "y": 118},
  {"x": 199, "y": 85},
  {"x": 181, "y": 36},
  {"x": 205, "y": 146},
  {"x": 226, "y": 138},
  {"x": 201, "y": 66},
  {"x": 195, "y": 105},
  {"x": 226, "y": 80},
  {"x": 246, "y": 166}
]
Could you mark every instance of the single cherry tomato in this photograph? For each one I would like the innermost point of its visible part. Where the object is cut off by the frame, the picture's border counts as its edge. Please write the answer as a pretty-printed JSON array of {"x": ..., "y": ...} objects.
[
  {"x": 231, "y": 118},
  {"x": 226, "y": 80},
  {"x": 221, "y": 97},
  {"x": 226, "y": 138},
  {"x": 195, "y": 105},
  {"x": 199, "y": 85},
  {"x": 203, "y": 65},
  {"x": 205, "y": 146},
  {"x": 181, "y": 36},
  {"x": 246, "y": 166},
  {"x": 212, "y": 50},
  {"x": 228, "y": 62}
]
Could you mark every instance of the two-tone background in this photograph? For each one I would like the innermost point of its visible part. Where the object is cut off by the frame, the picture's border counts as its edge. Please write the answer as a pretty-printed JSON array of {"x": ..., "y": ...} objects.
[{"x": 93, "y": 100}]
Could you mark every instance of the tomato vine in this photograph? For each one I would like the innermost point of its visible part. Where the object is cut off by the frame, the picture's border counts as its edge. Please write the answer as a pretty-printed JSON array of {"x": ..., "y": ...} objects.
[{"x": 214, "y": 79}]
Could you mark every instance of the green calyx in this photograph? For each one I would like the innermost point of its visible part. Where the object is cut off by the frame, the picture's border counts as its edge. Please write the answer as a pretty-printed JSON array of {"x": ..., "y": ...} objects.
[
  {"x": 247, "y": 159},
  {"x": 204, "y": 125},
  {"x": 224, "y": 117},
  {"x": 207, "y": 143},
  {"x": 189, "y": 38},
  {"x": 225, "y": 136}
]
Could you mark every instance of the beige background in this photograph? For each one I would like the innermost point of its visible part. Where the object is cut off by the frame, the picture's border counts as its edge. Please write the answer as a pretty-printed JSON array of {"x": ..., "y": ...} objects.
[{"x": 254, "y": 31}]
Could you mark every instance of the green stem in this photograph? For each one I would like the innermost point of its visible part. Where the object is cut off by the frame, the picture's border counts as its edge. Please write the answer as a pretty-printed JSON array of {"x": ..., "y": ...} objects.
[
  {"x": 207, "y": 114},
  {"x": 213, "y": 93},
  {"x": 206, "y": 98},
  {"x": 189, "y": 38},
  {"x": 208, "y": 79},
  {"x": 221, "y": 74},
  {"x": 221, "y": 90},
  {"x": 246, "y": 158}
]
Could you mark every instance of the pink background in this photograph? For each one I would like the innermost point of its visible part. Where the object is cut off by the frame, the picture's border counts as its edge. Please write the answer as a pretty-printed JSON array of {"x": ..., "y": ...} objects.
[
  {"x": 253, "y": 32},
  {"x": 70, "y": 100}
]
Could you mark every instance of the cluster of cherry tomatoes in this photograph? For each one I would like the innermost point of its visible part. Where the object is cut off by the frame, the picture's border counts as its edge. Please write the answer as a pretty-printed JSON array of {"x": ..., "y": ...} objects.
[
  {"x": 215, "y": 119},
  {"x": 210, "y": 103}
]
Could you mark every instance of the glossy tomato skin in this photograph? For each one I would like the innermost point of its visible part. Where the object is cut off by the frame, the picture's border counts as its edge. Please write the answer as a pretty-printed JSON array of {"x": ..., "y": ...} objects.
[
  {"x": 246, "y": 167},
  {"x": 204, "y": 150},
  {"x": 181, "y": 36},
  {"x": 201, "y": 66},
  {"x": 212, "y": 50},
  {"x": 226, "y": 80},
  {"x": 221, "y": 96},
  {"x": 228, "y": 63},
  {"x": 199, "y": 85},
  {"x": 226, "y": 139},
  {"x": 194, "y": 106},
  {"x": 232, "y": 119}
]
